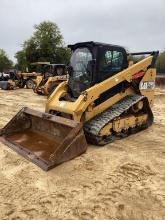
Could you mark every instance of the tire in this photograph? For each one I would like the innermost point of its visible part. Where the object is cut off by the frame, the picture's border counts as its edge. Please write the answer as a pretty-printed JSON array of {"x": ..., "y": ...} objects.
[
  {"x": 30, "y": 84},
  {"x": 21, "y": 84}
]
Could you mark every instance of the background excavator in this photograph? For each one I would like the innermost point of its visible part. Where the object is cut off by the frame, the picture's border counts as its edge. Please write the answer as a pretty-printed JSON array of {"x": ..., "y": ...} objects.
[
  {"x": 106, "y": 98},
  {"x": 53, "y": 74}
]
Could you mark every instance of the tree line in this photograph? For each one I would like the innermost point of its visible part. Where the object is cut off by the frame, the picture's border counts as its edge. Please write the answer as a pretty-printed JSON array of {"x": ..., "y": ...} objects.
[
  {"x": 5, "y": 62},
  {"x": 47, "y": 44},
  {"x": 160, "y": 65}
]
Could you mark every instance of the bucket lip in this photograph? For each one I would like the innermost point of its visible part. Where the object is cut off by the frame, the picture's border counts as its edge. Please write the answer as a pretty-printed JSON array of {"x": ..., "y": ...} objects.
[
  {"x": 50, "y": 117},
  {"x": 45, "y": 165}
]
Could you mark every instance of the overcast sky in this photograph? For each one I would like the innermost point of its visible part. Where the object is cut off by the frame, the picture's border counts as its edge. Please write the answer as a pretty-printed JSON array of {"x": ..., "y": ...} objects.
[{"x": 136, "y": 24}]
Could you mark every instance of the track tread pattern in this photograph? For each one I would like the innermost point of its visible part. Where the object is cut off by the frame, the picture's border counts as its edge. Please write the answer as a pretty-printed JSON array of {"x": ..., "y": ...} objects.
[{"x": 94, "y": 126}]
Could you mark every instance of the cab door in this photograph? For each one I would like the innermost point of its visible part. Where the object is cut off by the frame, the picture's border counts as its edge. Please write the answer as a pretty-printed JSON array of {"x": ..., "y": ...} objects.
[{"x": 111, "y": 61}]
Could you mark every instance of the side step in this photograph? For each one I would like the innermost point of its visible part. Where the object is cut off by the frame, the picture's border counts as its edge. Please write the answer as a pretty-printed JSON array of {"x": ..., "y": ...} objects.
[{"x": 44, "y": 139}]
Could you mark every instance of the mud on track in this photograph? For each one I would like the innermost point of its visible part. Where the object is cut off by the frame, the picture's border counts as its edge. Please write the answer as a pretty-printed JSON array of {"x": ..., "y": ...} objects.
[{"x": 124, "y": 180}]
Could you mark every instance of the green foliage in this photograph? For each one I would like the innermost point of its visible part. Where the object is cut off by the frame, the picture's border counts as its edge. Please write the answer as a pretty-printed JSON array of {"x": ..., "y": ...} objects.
[
  {"x": 22, "y": 63},
  {"x": 63, "y": 55},
  {"x": 160, "y": 64},
  {"x": 5, "y": 62},
  {"x": 46, "y": 44}
]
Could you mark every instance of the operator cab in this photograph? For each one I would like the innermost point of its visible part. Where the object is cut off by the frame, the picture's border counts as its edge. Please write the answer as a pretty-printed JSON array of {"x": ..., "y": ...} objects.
[
  {"x": 93, "y": 62},
  {"x": 55, "y": 70}
]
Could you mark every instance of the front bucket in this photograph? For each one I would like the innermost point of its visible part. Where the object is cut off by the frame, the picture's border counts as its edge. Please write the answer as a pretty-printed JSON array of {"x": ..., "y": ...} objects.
[{"x": 45, "y": 139}]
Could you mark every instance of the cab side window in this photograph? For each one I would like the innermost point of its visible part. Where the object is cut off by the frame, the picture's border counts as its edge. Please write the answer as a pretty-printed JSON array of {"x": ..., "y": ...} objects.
[
  {"x": 108, "y": 57},
  {"x": 111, "y": 62}
]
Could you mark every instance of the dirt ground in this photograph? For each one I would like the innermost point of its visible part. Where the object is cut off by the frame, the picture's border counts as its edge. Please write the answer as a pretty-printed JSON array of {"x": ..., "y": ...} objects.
[{"x": 124, "y": 180}]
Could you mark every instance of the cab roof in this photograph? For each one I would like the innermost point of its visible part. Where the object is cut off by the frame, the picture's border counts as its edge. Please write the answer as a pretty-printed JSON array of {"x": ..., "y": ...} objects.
[{"x": 92, "y": 43}]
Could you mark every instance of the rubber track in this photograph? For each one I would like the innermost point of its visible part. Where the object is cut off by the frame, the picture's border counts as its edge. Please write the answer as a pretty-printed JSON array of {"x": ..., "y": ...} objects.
[{"x": 94, "y": 126}]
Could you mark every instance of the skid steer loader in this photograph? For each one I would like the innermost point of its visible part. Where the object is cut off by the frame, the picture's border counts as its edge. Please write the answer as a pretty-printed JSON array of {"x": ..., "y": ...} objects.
[
  {"x": 105, "y": 98},
  {"x": 53, "y": 75}
]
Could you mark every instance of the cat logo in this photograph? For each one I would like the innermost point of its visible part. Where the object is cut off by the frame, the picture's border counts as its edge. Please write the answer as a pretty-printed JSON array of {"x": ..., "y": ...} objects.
[{"x": 147, "y": 85}]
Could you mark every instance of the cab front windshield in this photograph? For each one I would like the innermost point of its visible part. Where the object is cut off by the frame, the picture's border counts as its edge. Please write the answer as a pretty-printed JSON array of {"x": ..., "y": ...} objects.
[{"x": 81, "y": 74}]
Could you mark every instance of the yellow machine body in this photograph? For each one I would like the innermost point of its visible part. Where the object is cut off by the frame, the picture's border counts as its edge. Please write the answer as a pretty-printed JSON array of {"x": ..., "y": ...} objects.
[
  {"x": 102, "y": 109},
  {"x": 52, "y": 82},
  {"x": 83, "y": 109}
]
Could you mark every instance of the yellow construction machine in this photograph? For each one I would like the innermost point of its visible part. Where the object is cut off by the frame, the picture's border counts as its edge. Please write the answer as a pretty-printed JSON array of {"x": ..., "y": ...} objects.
[
  {"x": 18, "y": 80},
  {"x": 53, "y": 75},
  {"x": 106, "y": 98}
]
